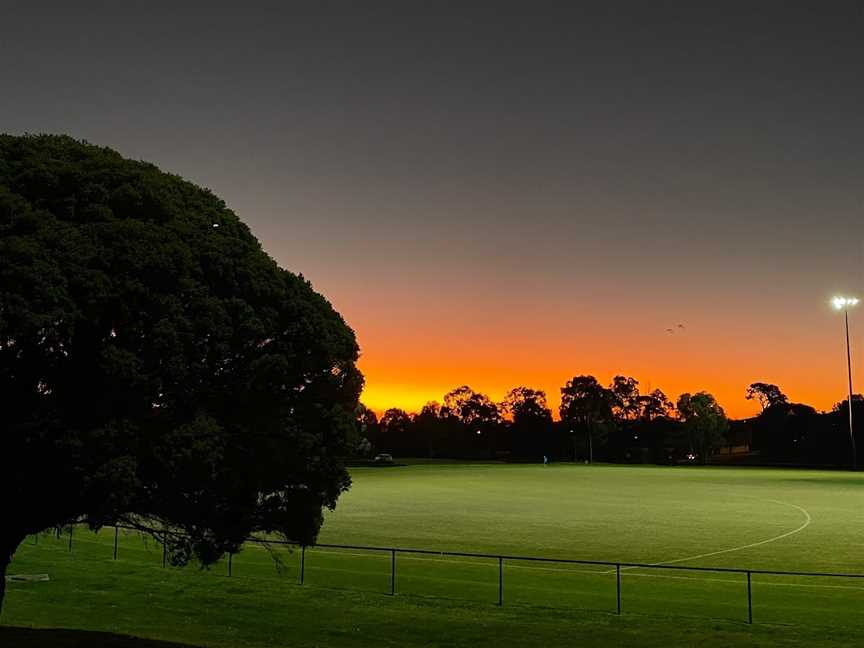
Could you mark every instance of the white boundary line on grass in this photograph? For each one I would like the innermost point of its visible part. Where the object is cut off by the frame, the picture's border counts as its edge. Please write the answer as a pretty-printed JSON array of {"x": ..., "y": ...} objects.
[{"x": 807, "y": 521}]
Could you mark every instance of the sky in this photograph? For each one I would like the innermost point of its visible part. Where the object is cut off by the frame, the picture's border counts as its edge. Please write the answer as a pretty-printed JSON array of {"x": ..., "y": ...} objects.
[{"x": 501, "y": 194}]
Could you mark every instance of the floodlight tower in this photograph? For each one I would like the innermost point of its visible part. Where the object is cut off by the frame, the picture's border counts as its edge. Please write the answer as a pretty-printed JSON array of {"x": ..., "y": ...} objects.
[{"x": 844, "y": 303}]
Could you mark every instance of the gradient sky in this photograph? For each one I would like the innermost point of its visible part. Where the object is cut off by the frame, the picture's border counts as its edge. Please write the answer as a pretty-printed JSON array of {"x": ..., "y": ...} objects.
[{"x": 510, "y": 193}]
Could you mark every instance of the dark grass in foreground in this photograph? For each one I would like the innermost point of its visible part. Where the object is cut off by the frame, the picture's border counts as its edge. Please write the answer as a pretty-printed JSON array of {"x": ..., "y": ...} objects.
[
  {"x": 42, "y": 638},
  {"x": 210, "y": 609},
  {"x": 233, "y": 617},
  {"x": 814, "y": 601},
  {"x": 617, "y": 513}
]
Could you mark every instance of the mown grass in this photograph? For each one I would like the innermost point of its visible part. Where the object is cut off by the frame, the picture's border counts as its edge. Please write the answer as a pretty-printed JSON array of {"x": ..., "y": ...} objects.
[{"x": 607, "y": 513}]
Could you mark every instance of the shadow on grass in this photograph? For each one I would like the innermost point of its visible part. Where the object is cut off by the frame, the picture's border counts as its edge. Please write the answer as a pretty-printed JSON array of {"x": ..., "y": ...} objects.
[{"x": 36, "y": 638}]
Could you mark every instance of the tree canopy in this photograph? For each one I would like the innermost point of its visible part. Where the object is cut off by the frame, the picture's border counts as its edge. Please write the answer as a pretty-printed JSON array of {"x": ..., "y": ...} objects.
[
  {"x": 766, "y": 394},
  {"x": 587, "y": 403},
  {"x": 157, "y": 367},
  {"x": 626, "y": 403},
  {"x": 525, "y": 405},
  {"x": 472, "y": 408},
  {"x": 705, "y": 422},
  {"x": 585, "y": 400}
]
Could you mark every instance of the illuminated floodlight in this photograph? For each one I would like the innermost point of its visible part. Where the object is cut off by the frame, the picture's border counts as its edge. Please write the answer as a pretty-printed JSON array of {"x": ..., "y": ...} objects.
[{"x": 844, "y": 302}]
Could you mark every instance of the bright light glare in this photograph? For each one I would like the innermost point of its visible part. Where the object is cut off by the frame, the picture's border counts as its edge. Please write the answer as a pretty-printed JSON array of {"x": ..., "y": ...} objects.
[{"x": 844, "y": 302}]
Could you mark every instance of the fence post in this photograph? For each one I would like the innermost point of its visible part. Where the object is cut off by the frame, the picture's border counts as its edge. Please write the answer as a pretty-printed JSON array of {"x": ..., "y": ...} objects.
[
  {"x": 302, "y": 563},
  {"x": 70, "y": 538},
  {"x": 392, "y": 572},
  {"x": 749, "y": 599},
  {"x": 230, "y": 556},
  {"x": 116, "y": 534},
  {"x": 500, "y": 581},
  {"x": 618, "y": 585}
]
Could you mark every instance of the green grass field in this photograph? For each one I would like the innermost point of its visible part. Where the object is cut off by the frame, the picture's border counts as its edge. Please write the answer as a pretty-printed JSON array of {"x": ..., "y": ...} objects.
[{"x": 716, "y": 517}]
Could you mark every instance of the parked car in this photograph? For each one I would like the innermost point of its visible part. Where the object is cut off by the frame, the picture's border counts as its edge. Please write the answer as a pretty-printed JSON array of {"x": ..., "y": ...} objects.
[{"x": 383, "y": 458}]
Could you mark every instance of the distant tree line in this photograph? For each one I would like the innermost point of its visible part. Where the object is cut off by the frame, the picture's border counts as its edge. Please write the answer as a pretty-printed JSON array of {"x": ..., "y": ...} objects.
[
  {"x": 596, "y": 423},
  {"x": 614, "y": 423},
  {"x": 797, "y": 434}
]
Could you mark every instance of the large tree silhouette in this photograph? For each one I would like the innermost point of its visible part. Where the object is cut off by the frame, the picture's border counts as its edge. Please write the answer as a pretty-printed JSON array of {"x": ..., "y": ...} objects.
[
  {"x": 472, "y": 408},
  {"x": 587, "y": 404},
  {"x": 704, "y": 422},
  {"x": 531, "y": 422},
  {"x": 626, "y": 403},
  {"x": 156, "y": 367},
  {"x": 480, "y": 420},
  {"x": 653, "y": 406},
  {"x": 395, "y": 430},
  {"x": 765, "y": 394}
]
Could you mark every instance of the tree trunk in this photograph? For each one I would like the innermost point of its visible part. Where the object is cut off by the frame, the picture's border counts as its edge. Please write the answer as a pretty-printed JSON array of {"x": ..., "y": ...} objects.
[
  {"x": 4, "y": 563},
  {"x": 8, "y": 545}
]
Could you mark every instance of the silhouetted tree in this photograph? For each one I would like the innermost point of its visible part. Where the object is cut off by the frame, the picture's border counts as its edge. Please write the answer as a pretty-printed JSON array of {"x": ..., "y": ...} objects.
[
  {"x": 395, "y": 433},
  {"x": 841, "y": 411},
  {"x": 644, "y": 430},
  {"x": 531, "y": 422},
  {"x": 526, "y": 404},
  {"x": 587, "y": 404},
  {"x": 472, "y": 408},
  {"x": 654, "y": 406},
  {"x": 766, "y": 394},
  {"x": 157, "y": 368},
  {"x": 395, "y": 421},
  {"x": 431, "y": 409},
  {"x": 843, "y": 405},
  {"x": 626, "y": 403},
  {"x": 480, "y": 418},
  {"x": 432, "y": 426},
  {"x": 367, "y": 430},
  {"x": 792, "y": 433},
  {"x": 704, "y": 422}
]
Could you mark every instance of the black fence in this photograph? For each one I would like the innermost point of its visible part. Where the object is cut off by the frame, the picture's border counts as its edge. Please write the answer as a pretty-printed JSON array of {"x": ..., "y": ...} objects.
[{"x": 609, "y": 567}]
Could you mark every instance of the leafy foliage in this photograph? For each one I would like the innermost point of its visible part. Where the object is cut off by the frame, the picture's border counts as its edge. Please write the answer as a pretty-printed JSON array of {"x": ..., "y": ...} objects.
[
  {"x": 156, "y": 366},
  {"x": 532, "y": 430},
  {"x": 704, "y": 421},
  {"x": 471, "y": 408},
  {"x": 626, "y": 404},
  {"x": 766, "y": 394},
  {"x": 654, "y": 406},
  {"x": 587, "y": 404},
  {"x": 525, "y": 405},
  {"x": 585, "y": 400}
]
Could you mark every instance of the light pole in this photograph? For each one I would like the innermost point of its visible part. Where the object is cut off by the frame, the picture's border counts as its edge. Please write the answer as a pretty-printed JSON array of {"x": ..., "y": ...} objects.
[{"x": 844, "y": 303}]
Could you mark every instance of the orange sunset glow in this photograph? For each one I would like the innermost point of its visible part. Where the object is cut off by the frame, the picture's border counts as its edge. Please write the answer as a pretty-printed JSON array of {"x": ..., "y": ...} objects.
[{"x": 721, "y": 356}]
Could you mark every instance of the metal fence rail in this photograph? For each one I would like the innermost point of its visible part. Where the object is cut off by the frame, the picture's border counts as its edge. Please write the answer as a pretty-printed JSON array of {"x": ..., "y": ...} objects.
[{"x": 613, "y": 566}]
